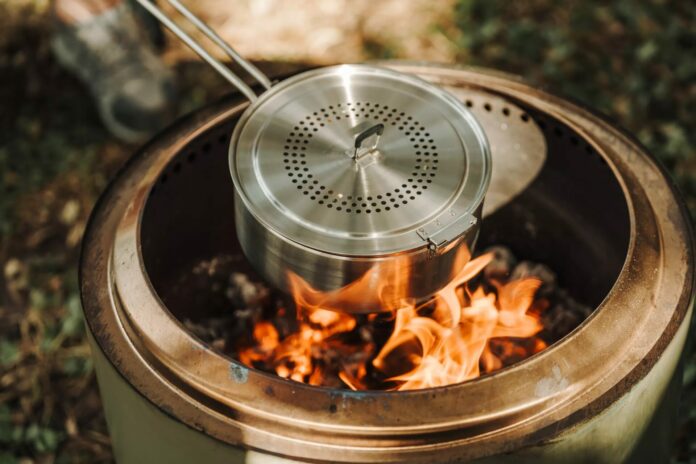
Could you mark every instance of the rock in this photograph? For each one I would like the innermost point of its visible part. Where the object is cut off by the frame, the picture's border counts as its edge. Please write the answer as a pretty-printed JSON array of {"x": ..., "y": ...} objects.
[{"x": 70, "y": 212}]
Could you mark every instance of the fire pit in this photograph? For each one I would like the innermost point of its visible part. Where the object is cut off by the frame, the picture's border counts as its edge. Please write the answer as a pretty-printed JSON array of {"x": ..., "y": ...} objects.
[
  {"x": 596, "y": 210},
  {"x": 496, "y": 312}
]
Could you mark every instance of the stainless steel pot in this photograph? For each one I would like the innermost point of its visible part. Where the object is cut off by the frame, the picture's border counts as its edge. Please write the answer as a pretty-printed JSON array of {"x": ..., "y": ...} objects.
[{"x": 353, "y": 177}]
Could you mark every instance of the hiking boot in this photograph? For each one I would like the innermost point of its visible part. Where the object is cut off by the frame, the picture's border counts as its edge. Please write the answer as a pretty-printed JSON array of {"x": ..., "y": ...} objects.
[{"x": 133, "y": 90}]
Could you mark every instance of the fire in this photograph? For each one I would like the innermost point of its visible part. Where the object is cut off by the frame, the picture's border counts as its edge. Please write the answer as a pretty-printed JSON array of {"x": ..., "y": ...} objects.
[{"x": 457, "y": 335}]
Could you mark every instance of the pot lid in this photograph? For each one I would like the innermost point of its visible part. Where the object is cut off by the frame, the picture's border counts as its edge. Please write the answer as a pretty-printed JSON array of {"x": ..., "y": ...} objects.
[{"x": 360, "y": 161}]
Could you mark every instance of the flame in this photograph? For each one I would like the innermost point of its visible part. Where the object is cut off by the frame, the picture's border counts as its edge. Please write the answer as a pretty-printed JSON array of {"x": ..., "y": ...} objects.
[{"x": 456, "y": 336}]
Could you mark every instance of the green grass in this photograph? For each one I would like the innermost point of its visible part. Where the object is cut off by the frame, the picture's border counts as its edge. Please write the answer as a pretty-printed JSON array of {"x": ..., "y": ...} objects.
[{"x": 630, "y": 60}]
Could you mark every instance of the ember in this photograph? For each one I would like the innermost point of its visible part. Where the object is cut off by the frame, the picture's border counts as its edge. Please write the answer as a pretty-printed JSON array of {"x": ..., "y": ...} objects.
[{"x": 493, "y": 314}]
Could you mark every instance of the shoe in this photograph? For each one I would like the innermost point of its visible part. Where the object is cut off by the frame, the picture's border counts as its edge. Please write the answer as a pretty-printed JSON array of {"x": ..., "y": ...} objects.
[{"x": 133, "y": 89}]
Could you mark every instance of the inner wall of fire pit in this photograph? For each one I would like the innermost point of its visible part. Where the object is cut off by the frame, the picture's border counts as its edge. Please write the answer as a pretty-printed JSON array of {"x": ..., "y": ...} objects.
[{"x": 573, "y": 218}]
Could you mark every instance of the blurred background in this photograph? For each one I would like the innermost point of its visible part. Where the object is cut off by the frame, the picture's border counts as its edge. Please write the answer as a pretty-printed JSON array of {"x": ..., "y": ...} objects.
[{"x": 632, "y": 60}]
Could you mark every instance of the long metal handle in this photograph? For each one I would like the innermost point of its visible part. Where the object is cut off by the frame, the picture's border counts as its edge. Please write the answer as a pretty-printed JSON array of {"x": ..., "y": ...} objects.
[{"x": 215, "y": 38}]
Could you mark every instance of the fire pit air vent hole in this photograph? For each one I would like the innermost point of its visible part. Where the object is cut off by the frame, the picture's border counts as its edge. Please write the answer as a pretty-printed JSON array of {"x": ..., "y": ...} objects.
[{"x": 189, "y": 157}]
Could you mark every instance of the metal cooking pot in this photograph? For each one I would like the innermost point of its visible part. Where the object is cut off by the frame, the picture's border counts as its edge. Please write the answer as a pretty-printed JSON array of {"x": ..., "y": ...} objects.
[
  {"x": 601, "y": 394},
  {"x": 361, "y": 184}
]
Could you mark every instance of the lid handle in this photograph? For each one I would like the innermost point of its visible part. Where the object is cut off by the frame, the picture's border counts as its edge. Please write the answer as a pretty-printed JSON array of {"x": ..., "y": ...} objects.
[
  {"x": 216, "y": 39},
  {"x": 377, "y": 130}
]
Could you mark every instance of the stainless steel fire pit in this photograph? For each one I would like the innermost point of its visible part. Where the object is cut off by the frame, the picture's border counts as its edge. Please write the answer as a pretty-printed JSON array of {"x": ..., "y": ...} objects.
[{"x": 588, "y": 201}]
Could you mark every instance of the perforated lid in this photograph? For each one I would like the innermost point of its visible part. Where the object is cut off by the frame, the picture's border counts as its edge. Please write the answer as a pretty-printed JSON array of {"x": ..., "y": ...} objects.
[{"x": 360, "y": 161}]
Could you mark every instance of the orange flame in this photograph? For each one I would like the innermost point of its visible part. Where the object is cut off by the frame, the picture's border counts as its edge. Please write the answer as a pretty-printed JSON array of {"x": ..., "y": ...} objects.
[{"x": 449, "y": 339}]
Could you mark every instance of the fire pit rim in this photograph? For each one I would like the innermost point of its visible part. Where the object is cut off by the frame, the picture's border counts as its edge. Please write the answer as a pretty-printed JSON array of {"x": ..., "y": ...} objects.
[{"x": 153, "y": 173}]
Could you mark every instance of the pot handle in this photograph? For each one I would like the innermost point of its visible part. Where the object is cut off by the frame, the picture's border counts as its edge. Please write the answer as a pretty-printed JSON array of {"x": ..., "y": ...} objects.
[{"x": 223, "y": 70}]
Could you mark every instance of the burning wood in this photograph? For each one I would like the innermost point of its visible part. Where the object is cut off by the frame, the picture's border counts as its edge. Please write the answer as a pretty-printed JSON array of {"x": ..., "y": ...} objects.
[{"x": 496, "y": 312}]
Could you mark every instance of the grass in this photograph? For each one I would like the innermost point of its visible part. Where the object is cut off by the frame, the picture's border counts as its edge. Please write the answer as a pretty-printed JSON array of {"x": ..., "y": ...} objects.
[
  {"x": 53, "y": 164},
  {"x": 628, "y": 59}
]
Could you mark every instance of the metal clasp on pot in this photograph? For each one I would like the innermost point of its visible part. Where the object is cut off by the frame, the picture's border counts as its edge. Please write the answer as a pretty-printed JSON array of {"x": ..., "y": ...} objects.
[{"x": 445, "y": 229}]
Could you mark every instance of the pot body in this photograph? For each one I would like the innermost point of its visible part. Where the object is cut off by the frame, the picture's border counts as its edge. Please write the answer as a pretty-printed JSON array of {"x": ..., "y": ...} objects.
[{"x": 414, "y": 274}]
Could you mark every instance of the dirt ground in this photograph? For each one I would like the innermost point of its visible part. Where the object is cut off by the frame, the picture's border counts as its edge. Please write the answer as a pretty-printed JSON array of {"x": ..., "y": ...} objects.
[{"x": 331, "y": 31}]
